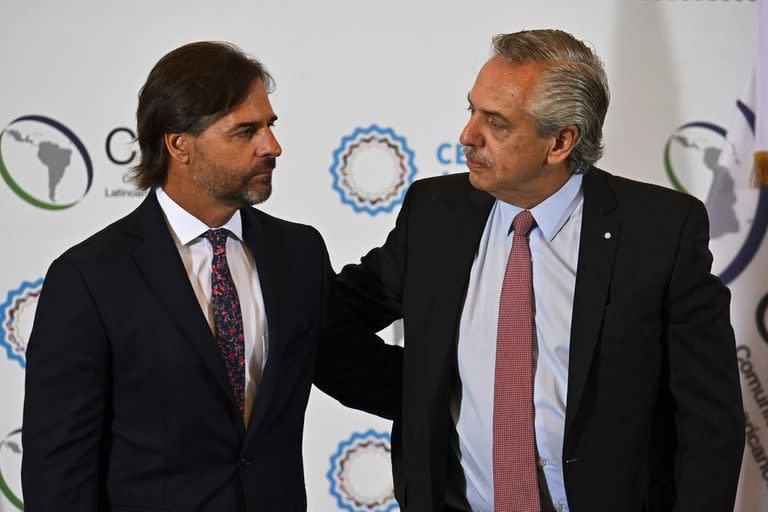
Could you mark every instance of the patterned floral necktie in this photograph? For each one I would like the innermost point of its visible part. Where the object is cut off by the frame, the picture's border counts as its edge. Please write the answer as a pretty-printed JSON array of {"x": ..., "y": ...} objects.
[
  {"x": 515, "y": 485},
  {"x": 227, "y": 315}
]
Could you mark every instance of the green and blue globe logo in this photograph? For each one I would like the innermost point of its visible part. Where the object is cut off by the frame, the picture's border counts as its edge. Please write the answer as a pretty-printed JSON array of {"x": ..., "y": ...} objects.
[
  {"x": 10, "y": 468},
  {"x": 44, "y": 162},
  {"x": 700, "y": 159}
]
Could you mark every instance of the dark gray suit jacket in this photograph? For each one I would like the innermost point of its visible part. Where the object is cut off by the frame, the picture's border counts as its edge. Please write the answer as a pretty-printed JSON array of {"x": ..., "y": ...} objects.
[{"x": 654, "y": 417}]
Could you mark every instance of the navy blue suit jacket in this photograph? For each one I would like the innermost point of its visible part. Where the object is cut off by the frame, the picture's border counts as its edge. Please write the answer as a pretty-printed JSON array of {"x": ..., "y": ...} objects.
[{"x": 128, "y": 405}]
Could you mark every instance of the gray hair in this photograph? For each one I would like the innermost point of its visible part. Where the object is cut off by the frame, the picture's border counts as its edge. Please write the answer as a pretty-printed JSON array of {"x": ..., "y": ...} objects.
[{"x": 572, "y": 89}]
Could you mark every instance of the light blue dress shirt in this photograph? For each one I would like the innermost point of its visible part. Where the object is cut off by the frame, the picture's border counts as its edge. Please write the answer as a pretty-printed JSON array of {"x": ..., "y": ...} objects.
[{"x": 554, "y": 244}]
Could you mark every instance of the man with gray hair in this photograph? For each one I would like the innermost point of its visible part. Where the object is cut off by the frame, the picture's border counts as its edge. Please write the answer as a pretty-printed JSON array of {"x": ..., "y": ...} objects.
[{"x": 567, "y": 347}]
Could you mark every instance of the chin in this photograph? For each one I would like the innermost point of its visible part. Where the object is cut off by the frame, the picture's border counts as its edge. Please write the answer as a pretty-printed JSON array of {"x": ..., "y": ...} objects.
[
  {"x": 477, "y": 181},
  {"x": 259, "y": 195}
]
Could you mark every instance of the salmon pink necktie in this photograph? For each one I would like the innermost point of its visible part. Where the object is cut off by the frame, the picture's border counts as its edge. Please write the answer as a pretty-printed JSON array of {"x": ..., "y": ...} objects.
[
  {"x": 515, "y": 486},
  {"x": 227, "y": 315}
]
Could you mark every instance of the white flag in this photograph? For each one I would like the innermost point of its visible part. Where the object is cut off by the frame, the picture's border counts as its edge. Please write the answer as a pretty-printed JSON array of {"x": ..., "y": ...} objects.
[
  {"x": 761, "y": 95},
  {"x": 747, "y": 150}
]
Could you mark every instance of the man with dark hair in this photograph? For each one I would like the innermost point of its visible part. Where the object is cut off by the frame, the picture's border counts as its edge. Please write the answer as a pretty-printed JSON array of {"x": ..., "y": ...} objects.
[
  {"x": 566, "y": 346},
  {"x": 172, "y": 353}
]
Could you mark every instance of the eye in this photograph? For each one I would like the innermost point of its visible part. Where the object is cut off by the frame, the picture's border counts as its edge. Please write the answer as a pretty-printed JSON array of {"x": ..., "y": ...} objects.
[
  {"x": 498, "y": 123},
  {"x": 245, "y": 134}
]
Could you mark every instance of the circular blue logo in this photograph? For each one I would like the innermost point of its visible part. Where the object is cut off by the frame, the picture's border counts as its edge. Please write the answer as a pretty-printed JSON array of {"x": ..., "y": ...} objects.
[
  {"x": 361, "y": 474},
  {"x": 372, "y": 169},
  {"x": 16, "y": 316}
]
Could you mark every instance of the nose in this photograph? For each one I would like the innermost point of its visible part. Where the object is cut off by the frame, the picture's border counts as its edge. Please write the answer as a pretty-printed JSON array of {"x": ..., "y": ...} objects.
[
  {"x": 270, "y": 146},
  {"x": 470, "y": 135}
]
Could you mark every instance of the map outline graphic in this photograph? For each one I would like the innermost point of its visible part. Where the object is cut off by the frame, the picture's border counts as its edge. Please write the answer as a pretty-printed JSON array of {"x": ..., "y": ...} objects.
[{"x": 72, "y": 138}]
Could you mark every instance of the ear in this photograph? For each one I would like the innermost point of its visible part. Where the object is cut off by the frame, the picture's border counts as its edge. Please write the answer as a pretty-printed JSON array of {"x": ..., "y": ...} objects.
[
  {"x": 177, "y": 145},
  {"x": 563, "y": 144}
]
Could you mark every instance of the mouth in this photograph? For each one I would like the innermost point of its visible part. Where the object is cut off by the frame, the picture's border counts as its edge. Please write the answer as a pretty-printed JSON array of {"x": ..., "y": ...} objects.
[
  {"x": 475, "y": 161},
  {"x": 474, "y": 165},
  {"x": 264, "y": 170},
  {"x": 262, "y": 177},
  {"x": 268, "y": 166}
]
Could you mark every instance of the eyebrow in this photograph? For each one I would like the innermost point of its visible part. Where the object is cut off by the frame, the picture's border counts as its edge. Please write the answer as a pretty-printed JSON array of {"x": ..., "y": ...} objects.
[
  {"x": 489, "y": 113},
  {"x": 251, "y": 124}
]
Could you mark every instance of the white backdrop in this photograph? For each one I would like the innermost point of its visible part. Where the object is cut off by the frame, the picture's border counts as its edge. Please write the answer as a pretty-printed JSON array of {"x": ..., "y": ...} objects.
[{"x": 341, "y": 65}]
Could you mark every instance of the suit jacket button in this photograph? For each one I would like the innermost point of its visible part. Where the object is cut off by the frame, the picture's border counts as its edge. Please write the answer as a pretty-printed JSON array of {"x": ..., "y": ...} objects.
[{"x": 244, "y": 463}]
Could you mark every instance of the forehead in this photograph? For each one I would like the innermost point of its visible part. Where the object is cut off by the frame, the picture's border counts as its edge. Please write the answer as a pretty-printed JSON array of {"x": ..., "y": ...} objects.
[
  {"x": 254, "y": 108},
  {"x": 503, "y": 84}
]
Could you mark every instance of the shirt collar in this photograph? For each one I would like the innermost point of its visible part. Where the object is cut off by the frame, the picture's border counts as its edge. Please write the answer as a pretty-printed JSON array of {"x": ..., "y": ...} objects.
[
  {"x": 186, "y": 227},
  {"x": 552, "y": 213}
]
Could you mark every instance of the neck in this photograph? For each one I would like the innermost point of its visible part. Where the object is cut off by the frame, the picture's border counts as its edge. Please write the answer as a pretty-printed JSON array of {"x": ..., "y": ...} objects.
[
  {"x": 537, "y": 192},
  {"x": 201, "y": 205}
]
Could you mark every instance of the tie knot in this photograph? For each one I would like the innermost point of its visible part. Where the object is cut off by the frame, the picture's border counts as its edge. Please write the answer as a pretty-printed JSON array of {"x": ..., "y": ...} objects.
[
  {"x": 523, "y": 223},
  {"x": 218, "y": 237}
]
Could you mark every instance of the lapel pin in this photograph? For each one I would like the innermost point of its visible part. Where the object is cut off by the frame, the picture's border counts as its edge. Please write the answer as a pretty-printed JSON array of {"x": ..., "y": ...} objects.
[{"x": 607, "y": 235}]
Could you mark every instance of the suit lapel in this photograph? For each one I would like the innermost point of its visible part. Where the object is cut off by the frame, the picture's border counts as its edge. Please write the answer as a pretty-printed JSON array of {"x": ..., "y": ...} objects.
[
  {"x": 453, "y": 238},
  {"x": 160, "y": 263},
  {"x": 600, "y": 231},
  {"x": 266, "y": 253},
  {"x": 462, "y": 238},
  {"x": 458, "y": 228}
]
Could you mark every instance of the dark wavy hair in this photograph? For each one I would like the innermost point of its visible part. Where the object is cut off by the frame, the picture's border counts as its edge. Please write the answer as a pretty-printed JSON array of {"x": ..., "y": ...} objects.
[{"x": 187, "y": 90}]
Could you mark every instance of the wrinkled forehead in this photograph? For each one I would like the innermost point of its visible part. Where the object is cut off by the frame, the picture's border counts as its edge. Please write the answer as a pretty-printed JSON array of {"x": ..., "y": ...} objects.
[{"x": 503, "y": 82}]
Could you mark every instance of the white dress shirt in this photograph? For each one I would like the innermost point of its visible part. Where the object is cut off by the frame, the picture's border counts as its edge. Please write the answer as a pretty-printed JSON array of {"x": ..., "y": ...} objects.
[
  {"x": 554, "y": 244},
  {"x": 197, "y": 254}
]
